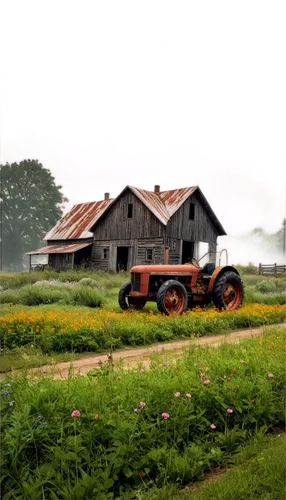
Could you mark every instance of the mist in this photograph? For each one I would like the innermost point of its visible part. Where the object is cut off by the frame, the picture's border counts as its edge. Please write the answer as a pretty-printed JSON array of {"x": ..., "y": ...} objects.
[{"x": 246, "y": 248}]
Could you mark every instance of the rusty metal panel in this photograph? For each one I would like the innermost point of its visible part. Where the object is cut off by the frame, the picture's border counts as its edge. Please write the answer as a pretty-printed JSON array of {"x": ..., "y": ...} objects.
[
  {"x": 59, "y": 249},
  {"x": 175, "y": 198},
  {"x": 163, "y": 204},
  {"x": 77, "y": 222},
  {"x": 153, "y": 202}
]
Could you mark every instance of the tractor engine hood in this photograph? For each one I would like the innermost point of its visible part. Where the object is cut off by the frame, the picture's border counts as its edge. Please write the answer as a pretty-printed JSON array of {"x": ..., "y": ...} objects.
[{"x": 163, "y": 269}]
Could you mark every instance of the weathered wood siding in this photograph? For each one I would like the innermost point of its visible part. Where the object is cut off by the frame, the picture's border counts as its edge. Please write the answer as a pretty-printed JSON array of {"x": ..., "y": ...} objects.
[
  {"x": 175, "y": 248},
  {"x": 137, "y": 252},
  {"x": 154, "y": 244},
  {"x": 199, "y": 229},
  {"x": 115, "y": 225}
]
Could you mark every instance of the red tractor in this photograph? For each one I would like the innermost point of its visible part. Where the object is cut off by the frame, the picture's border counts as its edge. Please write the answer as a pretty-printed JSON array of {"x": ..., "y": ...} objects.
[{"x": 177, "y": 287}]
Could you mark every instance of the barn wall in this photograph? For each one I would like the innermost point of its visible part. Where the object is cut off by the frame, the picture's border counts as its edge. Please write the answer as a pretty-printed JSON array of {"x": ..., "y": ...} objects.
[
  {"x": 61, "y": 260},
  {"x": 115, "y": 225},
  {"x": 199, "y": 229},
  {"x": 137, "y": 252}
]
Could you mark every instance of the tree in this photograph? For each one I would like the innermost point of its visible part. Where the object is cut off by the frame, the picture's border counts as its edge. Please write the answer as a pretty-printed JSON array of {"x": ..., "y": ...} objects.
[{"x": 31, "y": 203}]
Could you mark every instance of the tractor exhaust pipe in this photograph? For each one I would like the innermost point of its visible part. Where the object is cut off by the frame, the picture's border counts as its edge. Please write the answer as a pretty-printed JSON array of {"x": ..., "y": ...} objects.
[{"x": 167, "y": 255}]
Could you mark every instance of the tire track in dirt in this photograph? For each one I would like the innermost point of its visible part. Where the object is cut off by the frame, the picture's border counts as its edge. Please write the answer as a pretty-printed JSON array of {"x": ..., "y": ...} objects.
[{"x": 133, "y": 356}]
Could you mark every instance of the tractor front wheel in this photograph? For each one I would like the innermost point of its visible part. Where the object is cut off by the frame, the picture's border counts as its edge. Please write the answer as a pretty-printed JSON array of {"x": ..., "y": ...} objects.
[
  {"x": 172, "y": 298},
  {"x": 126, "y": 302},
  {"x": 228, "y": 291}
]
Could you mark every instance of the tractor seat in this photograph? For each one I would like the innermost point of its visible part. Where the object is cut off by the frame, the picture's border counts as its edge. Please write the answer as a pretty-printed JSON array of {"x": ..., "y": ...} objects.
[{"x": 208, "y": 268}]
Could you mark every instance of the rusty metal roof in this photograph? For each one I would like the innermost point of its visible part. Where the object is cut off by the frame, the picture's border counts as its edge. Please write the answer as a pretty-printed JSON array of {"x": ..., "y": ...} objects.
[
  {"x": 78, "y": 221},
  {"x": 59, "y": 249},
  {"x": 165, "y": 203},
  {"x": 153, "y": 202}
]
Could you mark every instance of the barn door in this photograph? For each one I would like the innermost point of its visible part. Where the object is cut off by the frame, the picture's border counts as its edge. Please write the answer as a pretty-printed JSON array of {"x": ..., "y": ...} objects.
[{"x": 187, "y": 251}]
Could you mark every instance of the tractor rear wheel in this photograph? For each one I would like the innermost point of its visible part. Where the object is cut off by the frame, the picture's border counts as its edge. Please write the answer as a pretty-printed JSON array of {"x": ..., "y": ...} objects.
[
  {"x": 129, "y": 302},
  {"x": 228, "y": 291},
  {"x": 172, "y": 298}
]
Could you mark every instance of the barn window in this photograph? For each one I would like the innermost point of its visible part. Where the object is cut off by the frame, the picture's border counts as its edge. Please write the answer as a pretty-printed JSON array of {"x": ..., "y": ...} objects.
[
  {"x": 149, "y": 254},
  {"x": 173, "y": 245},
  {"x": 192, "y": 211},
  {"x": 130, "y": 210},
  {"x": 105, "y": 253}
]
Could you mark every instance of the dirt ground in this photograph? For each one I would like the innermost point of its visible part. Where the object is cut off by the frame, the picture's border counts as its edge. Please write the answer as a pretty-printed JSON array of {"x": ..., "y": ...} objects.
[{"x": 133, "y": 356}]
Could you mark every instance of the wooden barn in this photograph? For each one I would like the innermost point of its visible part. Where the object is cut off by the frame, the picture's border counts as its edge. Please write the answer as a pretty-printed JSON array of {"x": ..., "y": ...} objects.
[{"x": 137, "y": 227}]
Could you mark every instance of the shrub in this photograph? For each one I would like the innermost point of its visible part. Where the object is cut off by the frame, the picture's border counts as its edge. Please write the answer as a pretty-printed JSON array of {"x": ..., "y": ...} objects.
[
  {"x": 33, "y": 296},
  {"x": 250, "y": 269},
  {"x": 85, "y": 296},
  {"x": 266, "y": 286},
  {"x": 89, "y": 282},
  {"x": 7, "y": 296}
]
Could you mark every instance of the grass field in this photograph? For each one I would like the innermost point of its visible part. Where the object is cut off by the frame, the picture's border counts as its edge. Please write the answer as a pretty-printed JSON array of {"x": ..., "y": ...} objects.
[{"x": 122, "y": 434}]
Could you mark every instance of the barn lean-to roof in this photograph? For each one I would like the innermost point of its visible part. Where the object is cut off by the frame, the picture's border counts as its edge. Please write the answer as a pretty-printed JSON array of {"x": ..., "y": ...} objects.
[{"x": 76, "y": 224}]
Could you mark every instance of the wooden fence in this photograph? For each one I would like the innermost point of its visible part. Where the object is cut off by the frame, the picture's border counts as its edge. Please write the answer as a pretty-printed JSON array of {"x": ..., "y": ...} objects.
[{"x": 272, "y": 269}]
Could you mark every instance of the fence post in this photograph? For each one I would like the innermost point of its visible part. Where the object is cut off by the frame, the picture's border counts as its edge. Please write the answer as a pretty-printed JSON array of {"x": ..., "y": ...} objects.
[
  {"x": 275, "y": 271},
  {"x": 260, "y": 269}
]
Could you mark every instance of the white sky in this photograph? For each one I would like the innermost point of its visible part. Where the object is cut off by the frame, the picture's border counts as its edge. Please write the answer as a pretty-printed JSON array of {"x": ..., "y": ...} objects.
[{"x": 106, "y": 94}]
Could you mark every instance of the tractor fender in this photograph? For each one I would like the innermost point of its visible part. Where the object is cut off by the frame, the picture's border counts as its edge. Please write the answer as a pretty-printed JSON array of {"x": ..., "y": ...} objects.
[{"x": 216, "y": 274}]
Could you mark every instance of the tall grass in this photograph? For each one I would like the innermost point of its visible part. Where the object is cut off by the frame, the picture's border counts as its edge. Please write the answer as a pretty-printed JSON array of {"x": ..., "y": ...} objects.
[
  {"x": 107, "y": 280},
  {"x": 110, "y": 451}
]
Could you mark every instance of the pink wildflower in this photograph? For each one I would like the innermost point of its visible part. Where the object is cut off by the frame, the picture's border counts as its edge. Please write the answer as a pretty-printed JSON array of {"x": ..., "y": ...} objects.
[
  {"x": 213, "y": 426},
  {"x": 137, "y": 410},
  {"x": 207, "y": 381},
  {"x": 229, "y": 411},
  {"x": 188, "y": 395},
  {"x": 165, "y": 364},
  {"x": 141, "y": 370},
  {"x": 177, "y": 394},
  {"x": 75, "y": 413},
  {"x": 142, "y": 403},
  {"x": 202, "y": 375},
  {"x": 270, "y": 375},
  {"x": 165, "y": 416},
  {"x": 241, "y": 361}
]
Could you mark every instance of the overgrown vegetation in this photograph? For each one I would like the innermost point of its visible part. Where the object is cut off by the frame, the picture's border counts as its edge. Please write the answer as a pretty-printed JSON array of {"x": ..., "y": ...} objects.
[
  {"x": 64, "y": 329},
  {"x": 123, "y": 433},
  {"x": 96, "y": 289}
]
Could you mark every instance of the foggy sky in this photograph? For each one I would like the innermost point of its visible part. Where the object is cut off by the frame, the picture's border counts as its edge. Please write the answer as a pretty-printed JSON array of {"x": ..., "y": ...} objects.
[{"x": 112, "y": 93}]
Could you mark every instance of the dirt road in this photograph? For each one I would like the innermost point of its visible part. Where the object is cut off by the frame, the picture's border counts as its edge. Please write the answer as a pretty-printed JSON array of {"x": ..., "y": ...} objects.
[{"x": 134, "y": 356}]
